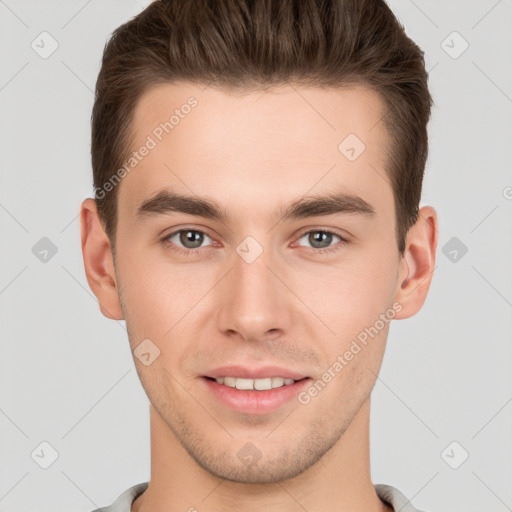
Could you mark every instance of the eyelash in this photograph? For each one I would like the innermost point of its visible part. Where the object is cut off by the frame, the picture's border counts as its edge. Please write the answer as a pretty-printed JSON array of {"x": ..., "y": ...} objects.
[{"x": 331, "y": 249}]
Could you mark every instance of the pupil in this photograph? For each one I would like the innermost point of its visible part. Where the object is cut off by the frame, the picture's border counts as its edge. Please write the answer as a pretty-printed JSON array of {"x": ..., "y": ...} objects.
[
  {"x": 193, "y": 237},
  {"x": 318, "y": 236}
]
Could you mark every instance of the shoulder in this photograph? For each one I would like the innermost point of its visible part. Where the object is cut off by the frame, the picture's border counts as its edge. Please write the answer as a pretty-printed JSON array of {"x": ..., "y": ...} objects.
[
  {"x": 392, "y": 496},
  {"x": 124, "y": 502}
]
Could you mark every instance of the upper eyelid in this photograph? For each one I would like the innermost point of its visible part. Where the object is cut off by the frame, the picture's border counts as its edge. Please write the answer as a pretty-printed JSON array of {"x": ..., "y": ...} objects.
[
  {"x": 316, "y": 230},
  {"x": 200, "y": 230}
]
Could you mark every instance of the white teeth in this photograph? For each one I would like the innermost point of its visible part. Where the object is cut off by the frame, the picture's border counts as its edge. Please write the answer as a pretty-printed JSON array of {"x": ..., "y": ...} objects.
[
  {"x": 263, "y": 384},
  {"x": 254, "y": 384},
  {"x": 244, "y": 384},
  {"x": 277, "y": 382}
]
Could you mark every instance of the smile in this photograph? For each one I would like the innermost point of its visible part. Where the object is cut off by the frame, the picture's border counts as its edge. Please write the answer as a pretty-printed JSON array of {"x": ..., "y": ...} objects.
[{"x": 255, "y": 384}]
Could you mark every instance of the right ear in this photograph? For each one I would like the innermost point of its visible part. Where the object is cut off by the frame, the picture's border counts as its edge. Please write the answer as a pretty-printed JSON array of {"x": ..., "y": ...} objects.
[{"x": 98, "y": 261}]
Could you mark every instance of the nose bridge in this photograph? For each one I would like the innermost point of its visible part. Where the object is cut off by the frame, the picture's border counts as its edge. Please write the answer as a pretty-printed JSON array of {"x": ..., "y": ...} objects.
[{"x": 254, "y": 300}]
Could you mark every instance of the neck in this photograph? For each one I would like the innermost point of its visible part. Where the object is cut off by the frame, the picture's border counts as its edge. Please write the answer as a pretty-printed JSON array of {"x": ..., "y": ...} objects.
[{"x": 339, "y": 481}]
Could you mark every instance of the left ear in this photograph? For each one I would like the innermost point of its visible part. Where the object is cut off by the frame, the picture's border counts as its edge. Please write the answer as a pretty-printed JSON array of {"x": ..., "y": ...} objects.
[{"x": 417, "y": 264}]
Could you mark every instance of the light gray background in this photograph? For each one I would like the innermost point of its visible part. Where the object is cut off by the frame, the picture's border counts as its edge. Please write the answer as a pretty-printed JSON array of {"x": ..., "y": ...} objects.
[{"x": 67, "y": 374}]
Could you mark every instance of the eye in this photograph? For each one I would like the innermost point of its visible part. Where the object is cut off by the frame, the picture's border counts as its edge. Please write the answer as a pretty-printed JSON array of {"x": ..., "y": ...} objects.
[
  {"x": 321, "y": 240},
  {"x": 190, "y": 239}
]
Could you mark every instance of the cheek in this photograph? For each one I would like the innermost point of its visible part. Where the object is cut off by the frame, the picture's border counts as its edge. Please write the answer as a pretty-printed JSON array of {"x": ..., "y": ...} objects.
[
  {"x": 155, "y": 290},
  {"x": 352, "y": 294},
  {"x": 165, "y": 303}
]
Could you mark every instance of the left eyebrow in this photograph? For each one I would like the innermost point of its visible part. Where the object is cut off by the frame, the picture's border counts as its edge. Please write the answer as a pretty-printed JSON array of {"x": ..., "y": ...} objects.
[
  {"x": 166, "y": 202},
  {"x": 328, "y": 205}
]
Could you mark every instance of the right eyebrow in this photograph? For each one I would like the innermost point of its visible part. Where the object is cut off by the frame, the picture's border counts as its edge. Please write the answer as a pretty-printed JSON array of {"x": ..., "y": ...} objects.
[{"x": 167, "y": 202}]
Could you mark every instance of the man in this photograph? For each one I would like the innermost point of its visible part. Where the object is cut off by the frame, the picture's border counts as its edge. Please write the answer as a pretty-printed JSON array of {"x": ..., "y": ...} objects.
[{"x": 258, "y": 170}]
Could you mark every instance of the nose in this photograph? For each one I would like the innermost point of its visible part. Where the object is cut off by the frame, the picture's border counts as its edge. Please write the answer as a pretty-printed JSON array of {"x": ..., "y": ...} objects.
[{"x": 254, "y": 302}]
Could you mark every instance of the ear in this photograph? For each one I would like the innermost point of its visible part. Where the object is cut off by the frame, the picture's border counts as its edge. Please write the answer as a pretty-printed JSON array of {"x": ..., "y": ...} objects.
[
  {"x": 417, "y": 264},
  {"x": 98, "y": 261}
]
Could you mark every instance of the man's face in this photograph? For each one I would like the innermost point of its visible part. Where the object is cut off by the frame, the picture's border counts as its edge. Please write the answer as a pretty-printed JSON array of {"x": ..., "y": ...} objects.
[{"x": 258, "y": 288}]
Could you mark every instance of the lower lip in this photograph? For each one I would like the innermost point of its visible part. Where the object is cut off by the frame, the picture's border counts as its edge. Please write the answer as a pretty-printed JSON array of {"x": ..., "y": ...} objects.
[{"x": 255, "y": 402}]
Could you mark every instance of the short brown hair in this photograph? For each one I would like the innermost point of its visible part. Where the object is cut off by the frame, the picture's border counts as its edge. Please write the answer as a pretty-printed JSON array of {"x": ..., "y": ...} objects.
[{"x": 244, "y": 44}]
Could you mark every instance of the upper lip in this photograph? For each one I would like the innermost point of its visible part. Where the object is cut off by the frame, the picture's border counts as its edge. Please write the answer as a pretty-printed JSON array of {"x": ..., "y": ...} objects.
[{"x": 254, "y": 373}]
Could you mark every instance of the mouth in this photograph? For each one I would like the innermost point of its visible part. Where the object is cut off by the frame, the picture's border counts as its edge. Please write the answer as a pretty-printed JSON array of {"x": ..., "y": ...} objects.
[
  {"x": 264, "y": 384},
  {"x": 254, "y": 396}
]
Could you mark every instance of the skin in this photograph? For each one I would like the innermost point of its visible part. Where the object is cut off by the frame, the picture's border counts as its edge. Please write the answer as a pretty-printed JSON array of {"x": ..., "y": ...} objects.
[{"x": 254, "y": 153}]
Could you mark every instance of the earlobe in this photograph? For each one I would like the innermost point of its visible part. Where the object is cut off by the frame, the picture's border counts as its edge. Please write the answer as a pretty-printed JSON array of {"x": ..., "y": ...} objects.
[
  {"x": 98, "y": 262},
  {"x": 418, "y": 263}
]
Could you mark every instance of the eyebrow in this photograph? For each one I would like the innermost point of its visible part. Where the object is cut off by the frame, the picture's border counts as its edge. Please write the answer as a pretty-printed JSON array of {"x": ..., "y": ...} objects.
[{"x": 166, "y": 202}]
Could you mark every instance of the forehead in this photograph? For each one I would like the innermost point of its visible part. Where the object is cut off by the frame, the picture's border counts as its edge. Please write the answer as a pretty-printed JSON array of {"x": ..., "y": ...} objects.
[{"x": 245, "y": 145}]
